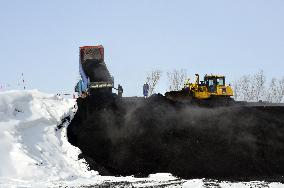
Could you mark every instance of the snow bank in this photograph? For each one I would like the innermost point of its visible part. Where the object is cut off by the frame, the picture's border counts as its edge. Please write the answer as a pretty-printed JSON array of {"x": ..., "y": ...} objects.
[
  {"x": 34, "y": 151},
  {"x": 31, "y": 145}
]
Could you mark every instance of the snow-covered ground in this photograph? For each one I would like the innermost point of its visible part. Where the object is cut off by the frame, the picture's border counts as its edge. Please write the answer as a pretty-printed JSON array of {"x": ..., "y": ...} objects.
[{"x": 34, "y": 151}]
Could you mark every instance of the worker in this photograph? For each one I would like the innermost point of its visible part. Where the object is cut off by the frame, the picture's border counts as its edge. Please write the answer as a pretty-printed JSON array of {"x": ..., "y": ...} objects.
[
  {"x": 145, "y": 89},
  {"x": 119, "y": 91},
  {"x": 78, "y": 87}
]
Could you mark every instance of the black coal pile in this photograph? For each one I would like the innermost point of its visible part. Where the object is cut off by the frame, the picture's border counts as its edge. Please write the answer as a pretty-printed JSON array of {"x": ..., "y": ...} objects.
[{"x": 137, "y": 136}]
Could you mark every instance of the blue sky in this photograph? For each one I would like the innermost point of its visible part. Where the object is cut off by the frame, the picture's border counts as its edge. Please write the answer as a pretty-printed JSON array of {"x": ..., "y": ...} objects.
[{"x": 41, "y": 39}]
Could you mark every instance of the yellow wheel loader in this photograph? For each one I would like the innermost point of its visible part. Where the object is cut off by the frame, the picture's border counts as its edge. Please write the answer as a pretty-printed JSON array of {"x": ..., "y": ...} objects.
[{"x": 212, "y": 87}]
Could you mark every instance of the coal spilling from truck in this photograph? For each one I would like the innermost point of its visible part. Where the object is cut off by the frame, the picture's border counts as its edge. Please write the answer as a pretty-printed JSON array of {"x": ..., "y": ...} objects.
[{"x": 136, "y": 136}]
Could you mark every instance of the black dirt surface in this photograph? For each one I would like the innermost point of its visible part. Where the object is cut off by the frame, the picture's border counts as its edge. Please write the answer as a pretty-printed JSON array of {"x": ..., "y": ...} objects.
[{"x": 137, "y": 136}]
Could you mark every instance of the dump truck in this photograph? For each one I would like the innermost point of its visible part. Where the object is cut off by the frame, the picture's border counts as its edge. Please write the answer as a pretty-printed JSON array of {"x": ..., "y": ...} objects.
[
  {"x": 213, "y": 87},
  {"x": 94, "y": 74}
]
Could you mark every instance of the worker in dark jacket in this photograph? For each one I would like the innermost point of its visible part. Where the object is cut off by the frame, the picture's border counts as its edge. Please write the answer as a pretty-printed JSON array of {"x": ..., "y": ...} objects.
[
  {"x": 145, "y": 89},
  {"x": 119, "y": 91}
]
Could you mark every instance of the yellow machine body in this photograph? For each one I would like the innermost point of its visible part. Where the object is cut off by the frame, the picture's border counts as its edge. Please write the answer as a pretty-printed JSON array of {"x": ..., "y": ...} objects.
[{"x": 212, "y": 86}]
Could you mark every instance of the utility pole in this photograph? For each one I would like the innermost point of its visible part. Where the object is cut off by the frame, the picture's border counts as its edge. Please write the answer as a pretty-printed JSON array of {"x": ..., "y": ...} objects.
[{"x": 23, "y": 81}]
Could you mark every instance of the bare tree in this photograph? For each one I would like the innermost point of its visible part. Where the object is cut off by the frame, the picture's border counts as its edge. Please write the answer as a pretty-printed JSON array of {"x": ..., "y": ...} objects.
[
  {"x": 152, "y": 79},
  {"x": 244, "y": 88},
  {"x": 237, "y": 92},
  {"x": 253, "y": 88},
  {"x": 272, "y": 91},
  {"x": 275, "y": 91},
  {"x": 258, "y": 85},
  {"x": 176, "y": 79},
  {"x": 250, "y": 87},
  {"x": 281, "y": 82}
]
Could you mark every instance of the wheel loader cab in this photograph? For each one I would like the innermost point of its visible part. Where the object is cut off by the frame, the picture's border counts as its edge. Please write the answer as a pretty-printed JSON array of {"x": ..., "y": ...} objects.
[{"x": 212, "y": 82}]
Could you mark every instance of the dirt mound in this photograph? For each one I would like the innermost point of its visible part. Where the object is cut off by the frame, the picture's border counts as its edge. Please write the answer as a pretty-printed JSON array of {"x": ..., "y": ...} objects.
[{"x": 136, "y": 136}]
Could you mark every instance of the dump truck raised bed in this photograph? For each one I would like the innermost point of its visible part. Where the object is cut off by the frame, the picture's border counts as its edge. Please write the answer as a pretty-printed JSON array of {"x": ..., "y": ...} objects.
[{"x": 95, "y": 76}]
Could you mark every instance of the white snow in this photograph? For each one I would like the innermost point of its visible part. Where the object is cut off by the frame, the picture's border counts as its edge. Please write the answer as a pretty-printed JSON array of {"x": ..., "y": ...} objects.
[
  {"x": 35, "y": 153},
  {"x": 30, "y": 145}
]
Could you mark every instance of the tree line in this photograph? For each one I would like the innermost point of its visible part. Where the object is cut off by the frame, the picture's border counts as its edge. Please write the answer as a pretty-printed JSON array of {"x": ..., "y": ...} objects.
[
  {"x": 176, "y": 79},
  {"x": 255, "y": 87}
]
